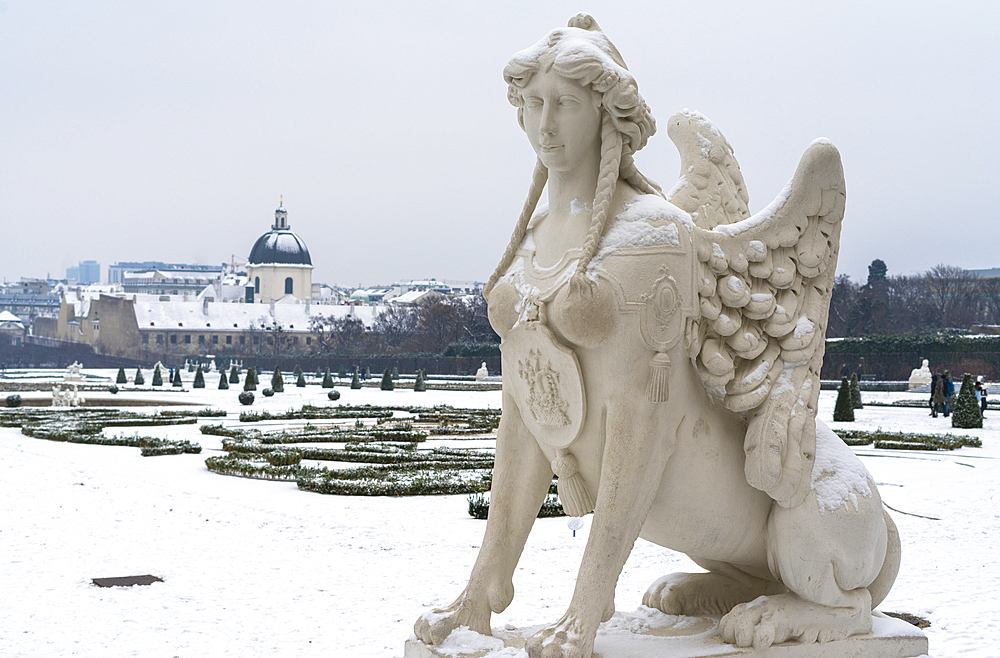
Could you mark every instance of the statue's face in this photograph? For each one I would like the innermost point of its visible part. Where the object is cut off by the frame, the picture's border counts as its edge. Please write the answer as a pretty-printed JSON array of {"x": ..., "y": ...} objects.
[{"x": 563, "y": 121}]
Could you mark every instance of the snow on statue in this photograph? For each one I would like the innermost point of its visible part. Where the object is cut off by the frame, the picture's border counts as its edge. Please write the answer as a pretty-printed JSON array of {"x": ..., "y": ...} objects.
[{"x": 662, "y": 356}]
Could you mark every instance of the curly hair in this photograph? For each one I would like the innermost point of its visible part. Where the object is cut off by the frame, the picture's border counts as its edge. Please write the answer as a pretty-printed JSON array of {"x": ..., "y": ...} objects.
[{"x": 581, "y": 52}]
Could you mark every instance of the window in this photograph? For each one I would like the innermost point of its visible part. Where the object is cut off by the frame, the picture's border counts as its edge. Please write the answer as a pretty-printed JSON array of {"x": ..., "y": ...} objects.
[
  {"x": 295, "y": 340},
  {"x": 173, "y": 339},
  {"x": 215, "y": 340},
  {"x": 145, "y": 339},
  {"x": 256, "y": 284},
  {"x": 159, "y": 339},
  {"x": 309, "y": 340},
  {"x": 229, "y": 340},
  {"x": 243, "y": 340},
  {"x": 187, "y": 340},
  {"x": 256, "y": 340},
  {"x": 288, "y": 285},
  {"x": 201, "y": 340}
]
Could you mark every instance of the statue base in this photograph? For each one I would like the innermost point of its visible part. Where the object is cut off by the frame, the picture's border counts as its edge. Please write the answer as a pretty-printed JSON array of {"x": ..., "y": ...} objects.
[{"x": 648, "y": 633}]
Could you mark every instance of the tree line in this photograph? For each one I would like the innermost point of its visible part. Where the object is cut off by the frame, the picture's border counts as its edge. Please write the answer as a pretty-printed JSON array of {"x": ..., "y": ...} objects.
[
  {"x": 431, "y": 328},
  {"x": 943, "y": 297}
]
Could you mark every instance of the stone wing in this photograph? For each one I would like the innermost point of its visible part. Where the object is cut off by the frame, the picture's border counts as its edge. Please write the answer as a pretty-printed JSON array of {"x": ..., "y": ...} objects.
[
  {"x": 764, "y": 288},
  {"x": 711, "y": 187}
]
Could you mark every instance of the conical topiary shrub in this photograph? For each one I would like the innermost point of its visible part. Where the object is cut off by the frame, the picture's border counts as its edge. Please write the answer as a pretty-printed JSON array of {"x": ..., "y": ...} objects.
[
  {"x": 277, "y": 381},
  {"x": 327, "y": 379},
  {"x": 844, "y": 410},
  {"x": 343, "y": 372},
  {"x": 420, "y": 386},
  {"x": 856, "y": 392},
  {"x": 199, "y": 378},
  {"x": 223, "y": 382},
  {"x": 966, "y": 412},
  {"x": 367, "y": 374},
  {"x": 386, "y": 384},
  {"x": 395, "y": 373},
  {"x": 122, "y": 379},
  {"x": 157, "y": 377},
  {"x": 177, "y": 379},
  {"x": 234, "y": 375},
  {"x": 355, "y": 380},
  {"x": 296, "y": 373},
  {"x": 139, "y": 379},
  {"x": 250, "y": 381},
  {"x": 300, "y": 381}
]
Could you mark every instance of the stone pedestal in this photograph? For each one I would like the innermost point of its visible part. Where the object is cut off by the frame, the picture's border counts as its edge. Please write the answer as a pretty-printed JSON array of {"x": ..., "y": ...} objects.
[{"x": 648, "y": 633}]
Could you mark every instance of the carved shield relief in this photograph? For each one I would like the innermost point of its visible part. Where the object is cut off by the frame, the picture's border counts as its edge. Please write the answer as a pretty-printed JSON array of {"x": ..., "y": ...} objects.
[{"x": 544, "y": 378}]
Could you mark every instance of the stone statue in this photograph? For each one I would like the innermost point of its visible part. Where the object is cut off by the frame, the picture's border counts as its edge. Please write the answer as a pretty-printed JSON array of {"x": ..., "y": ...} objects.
[
  {"x": 482, "y": 373},
  {"x": 661, "y": 356},
  {"x": 920, "y": 376},
  {"x": 73, "y": 372}
]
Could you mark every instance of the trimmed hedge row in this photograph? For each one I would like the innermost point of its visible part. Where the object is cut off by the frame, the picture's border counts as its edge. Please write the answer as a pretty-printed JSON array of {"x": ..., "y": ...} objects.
[
  {"x": 479, "y": 506},
  {"x": 309, "y": 412},
  {"x": 912, "y": 441}
]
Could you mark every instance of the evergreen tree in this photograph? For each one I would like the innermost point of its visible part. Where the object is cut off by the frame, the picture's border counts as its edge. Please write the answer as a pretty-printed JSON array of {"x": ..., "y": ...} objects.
[
  {"x": 223, "y": 382},
  {"x": 234, "y": 375},
  {"x": 277, "y": 382},
  {"x": 368, "y": 373},
  {"x": 386, "y": 384},
  {"x": 177, "y": 379},
  {"x": 844, "y": 409},
  {"x": 139, "y": 379},
  {"x": 966, "y": 412},
  {"x": 419, "y": 386},
  {"x": 297, "y": 371},
  {"x": 157, "y": 377},
  {"x": 327, "y": 379},
  {"x": 250, "y": 381},
  {"x": 355, "y": 380},
  {"x": 122, "y": 379},
  {"x": 199, "y": 378},
  {"x": 395, "y": 373},
  {"x": 300, "y": 381},
  {"x": 856, "y": 392},
  {"x": 343, "y": 372}
]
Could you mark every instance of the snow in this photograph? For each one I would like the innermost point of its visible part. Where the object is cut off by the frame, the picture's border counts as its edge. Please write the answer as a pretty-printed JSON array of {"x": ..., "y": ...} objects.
[
  {"x": 759, "y": 218},
  {"x": 836, "y": 477},
  {"x": 803, "y": 326},
  {"x": 260, "y": 568}
]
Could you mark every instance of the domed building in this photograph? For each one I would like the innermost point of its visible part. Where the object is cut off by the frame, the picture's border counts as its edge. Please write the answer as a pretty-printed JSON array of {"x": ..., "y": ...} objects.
[{"x": 279, "y": 264}]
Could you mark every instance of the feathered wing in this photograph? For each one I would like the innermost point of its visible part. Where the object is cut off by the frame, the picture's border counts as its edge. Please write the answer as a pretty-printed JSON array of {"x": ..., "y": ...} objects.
[
  {"x": 764, "y": 289},
  {"x": 711, "y": 187}
]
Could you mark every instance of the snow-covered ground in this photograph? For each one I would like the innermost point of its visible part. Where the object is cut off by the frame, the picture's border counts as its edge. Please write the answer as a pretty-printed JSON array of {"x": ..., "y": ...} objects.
[{"x": 256, "y": 568}]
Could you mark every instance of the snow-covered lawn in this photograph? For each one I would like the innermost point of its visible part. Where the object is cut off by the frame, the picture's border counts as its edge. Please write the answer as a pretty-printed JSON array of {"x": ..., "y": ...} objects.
[{"x": 256, "y": 568}]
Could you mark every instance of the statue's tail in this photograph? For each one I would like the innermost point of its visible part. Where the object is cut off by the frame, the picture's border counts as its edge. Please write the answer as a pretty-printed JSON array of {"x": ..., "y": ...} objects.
[{"x": 880, "y": 587}]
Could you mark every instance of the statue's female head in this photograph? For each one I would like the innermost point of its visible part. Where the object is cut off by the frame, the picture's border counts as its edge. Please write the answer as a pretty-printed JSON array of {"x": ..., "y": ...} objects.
[{"x": 583, "y": 54}]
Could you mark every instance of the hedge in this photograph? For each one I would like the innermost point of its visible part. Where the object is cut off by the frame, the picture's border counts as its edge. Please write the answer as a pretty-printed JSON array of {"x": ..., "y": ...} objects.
[{"x": 912, "y": 441}]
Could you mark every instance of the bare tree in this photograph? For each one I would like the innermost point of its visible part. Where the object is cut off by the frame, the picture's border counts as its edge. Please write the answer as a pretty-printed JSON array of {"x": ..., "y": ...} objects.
[{"x": 950, "y": 296}]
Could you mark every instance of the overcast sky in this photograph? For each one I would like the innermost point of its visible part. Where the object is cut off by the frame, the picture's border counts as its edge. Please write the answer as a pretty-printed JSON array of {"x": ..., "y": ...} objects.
[{"x": 168, "y": 130}]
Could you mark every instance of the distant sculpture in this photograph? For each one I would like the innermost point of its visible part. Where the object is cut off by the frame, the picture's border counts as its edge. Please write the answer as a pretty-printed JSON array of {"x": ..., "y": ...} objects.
[
  {"x": 73, "y": 372},
  {"x": 662, "y": 356},
  {"x": 66, "y": 398},
  {"x": 482, "y": 373},
  {"x": 921, "y": 376}
]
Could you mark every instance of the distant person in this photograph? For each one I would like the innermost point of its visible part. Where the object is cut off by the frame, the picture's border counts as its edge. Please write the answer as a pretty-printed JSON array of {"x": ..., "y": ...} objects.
[
  {"x": 984, "y": 388},
  {"x": 935, "y": 378},
  {"x": 845, "y": 371},
  {"x": 949, "y": 391},
  {"x": 938, "y": 398}
]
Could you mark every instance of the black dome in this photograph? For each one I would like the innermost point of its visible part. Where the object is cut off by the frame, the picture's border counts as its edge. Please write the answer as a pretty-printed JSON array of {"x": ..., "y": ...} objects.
[{"x": 281, "y": 247}]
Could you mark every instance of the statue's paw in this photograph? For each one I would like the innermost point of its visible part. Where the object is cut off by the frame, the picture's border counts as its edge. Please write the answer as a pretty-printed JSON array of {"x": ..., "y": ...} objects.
[
  {"x": 696, "y": 594},
  {"x": 770, "y": 620},
  {"x": 434, "y": 626},
  {"x": 565, "y": 639}
]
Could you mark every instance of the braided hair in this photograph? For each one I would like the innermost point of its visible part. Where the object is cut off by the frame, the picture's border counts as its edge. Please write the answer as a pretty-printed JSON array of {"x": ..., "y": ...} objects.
[{"x": 581, "y": 52}]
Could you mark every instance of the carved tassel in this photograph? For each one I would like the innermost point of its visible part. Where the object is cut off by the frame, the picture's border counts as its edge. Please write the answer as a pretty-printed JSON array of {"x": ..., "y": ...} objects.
[
  {"x": 658, "y": 388},
  {"x": 573, "y": 492}
]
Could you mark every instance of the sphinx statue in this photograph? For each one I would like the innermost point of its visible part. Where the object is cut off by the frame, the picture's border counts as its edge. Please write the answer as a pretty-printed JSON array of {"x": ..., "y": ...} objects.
[
  {"x": 920, "y": 376},
  {"x": 661, "y": 357}
]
